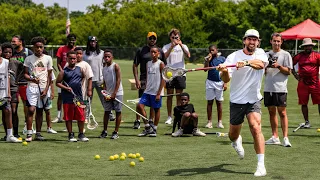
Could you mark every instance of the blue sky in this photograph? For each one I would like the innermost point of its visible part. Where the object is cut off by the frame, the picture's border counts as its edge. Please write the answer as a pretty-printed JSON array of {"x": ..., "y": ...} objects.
[{"x": 74, "y": 5}]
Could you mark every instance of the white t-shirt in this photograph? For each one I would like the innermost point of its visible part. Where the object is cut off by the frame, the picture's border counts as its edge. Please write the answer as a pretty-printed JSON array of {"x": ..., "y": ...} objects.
[
  {"x": 176, "y": 57},
  {"x": 245, "y": 82},
  {"x": 86, "y": 68},
  {"x": 39, "y": 67},
  {"x": 4, "y": 75}
]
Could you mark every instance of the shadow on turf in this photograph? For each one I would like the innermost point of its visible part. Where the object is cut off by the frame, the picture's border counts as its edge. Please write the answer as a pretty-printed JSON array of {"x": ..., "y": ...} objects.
[{"x": 196, "y": 171}]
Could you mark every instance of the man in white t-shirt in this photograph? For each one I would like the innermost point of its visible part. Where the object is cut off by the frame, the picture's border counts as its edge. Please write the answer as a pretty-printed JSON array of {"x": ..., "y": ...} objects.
[
  {"x": 245, "y": 97},
  {"x": 275, "y": 89},
  {"x": 175, "y": 52},
  {"x": 38, "y": 73}
]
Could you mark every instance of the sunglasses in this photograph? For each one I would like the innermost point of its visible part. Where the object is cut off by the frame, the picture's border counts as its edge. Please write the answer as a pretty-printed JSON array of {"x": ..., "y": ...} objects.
[{"x": 152, "y": 38}]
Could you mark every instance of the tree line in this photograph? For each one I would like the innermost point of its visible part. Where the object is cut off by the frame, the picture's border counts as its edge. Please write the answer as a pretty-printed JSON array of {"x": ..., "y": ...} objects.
[{"x": 126, "y": 23}]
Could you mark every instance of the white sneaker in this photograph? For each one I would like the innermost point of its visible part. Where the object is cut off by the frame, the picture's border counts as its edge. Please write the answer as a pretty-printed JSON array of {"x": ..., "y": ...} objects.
[
  {"x": 65, "y": 130},
  {"x": 197, "y": 132},
  {"x": 273, "y": 140},
  {"x": 13, "y": 139},
  {"x": 56, "y": 120},
  {"x": 220, "y": 125},
  {"x": 261, "y": 171},
  {"x": 237, "y": 145},
  {"x": 50, "y": 130},
  {"x": 34, "y": 131},
  {"x": 209, "y": 125},
  {"x": 286, "y": 142},
  {"x": 177, "y": 133},
  {"x": 169, "y": 120}
]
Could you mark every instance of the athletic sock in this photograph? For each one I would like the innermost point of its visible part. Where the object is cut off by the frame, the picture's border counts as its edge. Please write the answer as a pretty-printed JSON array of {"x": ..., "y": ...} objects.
[
  {"x": 59, "y": 114},
  {"x": 9, "y": 132},
  {"x": 147, "y": 125},
  {"x": 155, "y": 128},
  {"x": 29, "y": 131},
  {"x": 260, "y": 160}
]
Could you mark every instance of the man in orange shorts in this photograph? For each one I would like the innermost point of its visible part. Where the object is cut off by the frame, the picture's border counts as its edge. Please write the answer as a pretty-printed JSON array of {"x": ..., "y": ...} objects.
[{"x": 308, "y": 77}]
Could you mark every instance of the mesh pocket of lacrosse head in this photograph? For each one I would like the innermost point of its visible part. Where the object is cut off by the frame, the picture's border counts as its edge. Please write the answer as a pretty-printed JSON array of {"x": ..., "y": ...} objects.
[
  {"x": 92, "y": 124},
  {"x": 165, "y": 73}
]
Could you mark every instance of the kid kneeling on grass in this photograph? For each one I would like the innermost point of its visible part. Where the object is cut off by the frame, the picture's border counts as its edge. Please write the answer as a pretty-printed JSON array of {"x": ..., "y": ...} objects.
[
  {"x": 113, "y": 85},
  {"x": 188, "y": 118},
  {"x": 151, "y": 96},
  {"x": 70, "y": 80}
]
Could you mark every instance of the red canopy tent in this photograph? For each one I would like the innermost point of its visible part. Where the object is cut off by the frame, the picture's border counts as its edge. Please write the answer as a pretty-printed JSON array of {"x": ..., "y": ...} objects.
[{"x": 306, "y": 29}]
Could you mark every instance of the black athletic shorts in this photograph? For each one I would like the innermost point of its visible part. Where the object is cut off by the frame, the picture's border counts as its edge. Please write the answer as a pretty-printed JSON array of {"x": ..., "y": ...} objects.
[
  {"x": 238, "y": 111},
  {"x": 14, "y": 97},
  {"x": 275, "y": 99},
  {"x": 178, "y": 82}
]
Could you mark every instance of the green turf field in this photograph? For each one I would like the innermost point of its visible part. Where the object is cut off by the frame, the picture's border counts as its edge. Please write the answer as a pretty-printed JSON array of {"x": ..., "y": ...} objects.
[{"x": 165, "y": 157}]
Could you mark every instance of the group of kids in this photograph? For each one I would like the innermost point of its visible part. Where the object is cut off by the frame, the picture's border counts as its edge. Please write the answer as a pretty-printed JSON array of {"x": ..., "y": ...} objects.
[{"x": 75, "y": 79}]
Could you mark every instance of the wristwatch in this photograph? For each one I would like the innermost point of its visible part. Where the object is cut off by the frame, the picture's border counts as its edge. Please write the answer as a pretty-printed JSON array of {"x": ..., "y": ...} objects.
[{"x": 247, "y": 63}]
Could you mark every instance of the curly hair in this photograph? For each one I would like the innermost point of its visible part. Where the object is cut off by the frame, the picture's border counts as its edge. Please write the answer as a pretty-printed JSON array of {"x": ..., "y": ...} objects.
[
  {"x": 6, "y": 45},
  {"x": 37, "y": 39}
]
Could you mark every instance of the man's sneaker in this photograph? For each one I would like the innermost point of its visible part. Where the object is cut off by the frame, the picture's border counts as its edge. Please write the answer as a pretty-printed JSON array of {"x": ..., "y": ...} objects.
[
  {"x": 197, "y": 132},
  {"x": 152, "y": 133},
  {"x": 237, "y": 145},
  {"x": 177, "y": 133},
  {"x": 114, "y": 135},
  {"x": 38, "y": 137},
  {"x": 143, "y": 133},
  {"x": 56, "y": 120},
  {"x": 136, "y": 124},
  {"x": 103, "y": 134},
  {"x": 65, "y": 130},
  {"x": 169, "y": 120},
  {"x": 50, "y": 130},
  {"x": 29, "y": 138},
  {"x": 261, "y": 171},
  {"x": 13, "y": 139},
  {"x": 82, "y": 137},
  {"x": 209, "y": 125},
  {"x": 307, "y": 125},
  {"x": 273, "y": 140},
  {"x": 111, "y": 117},
  {"x": 152, "y": 125},
  {"x": 220, "y": 125},
  {"x": 71, "y": 138},
  {"x": 286, "y": 142},
  {"x": 34, "y": 131}
]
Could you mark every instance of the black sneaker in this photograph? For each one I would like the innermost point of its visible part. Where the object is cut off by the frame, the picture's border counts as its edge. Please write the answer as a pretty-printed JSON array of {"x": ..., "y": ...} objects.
[
  {"x": 143, "y": 133},
  {"x": 5, "y": 138},
  {"x": 136, "y": 124},
  {"x": 38, "y": 137},
  {"x": 104, "y": 134},
  {"x": 152, "y": 132},
  {"x": 71, "y": 137},
  {"x": 114, "y": 135},
  {"x": 152, "y": 125},
  {"x": 82, "y": 137}
]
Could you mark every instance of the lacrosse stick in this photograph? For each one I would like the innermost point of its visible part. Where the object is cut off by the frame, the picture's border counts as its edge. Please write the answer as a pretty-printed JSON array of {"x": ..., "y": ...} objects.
[
  {"x": 92, "y": 123},
  {"x": 76, "y": 100},
  {"x": 33, "y": 76},
  {"x": 301, "y": 125},
  {"x": 107, "y": 97},
  {"x": 136, "y": 101},
  {"x": 168, "y": 73}
]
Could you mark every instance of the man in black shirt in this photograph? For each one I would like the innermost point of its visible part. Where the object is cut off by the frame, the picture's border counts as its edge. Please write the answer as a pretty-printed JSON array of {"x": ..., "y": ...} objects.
[
  {"x": 142, "y": 57},
  {"x": 186, "y": 117}
]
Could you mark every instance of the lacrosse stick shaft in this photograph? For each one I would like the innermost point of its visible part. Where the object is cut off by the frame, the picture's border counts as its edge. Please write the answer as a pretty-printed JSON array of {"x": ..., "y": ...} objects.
[
  {"x": 300, "y": 126},
  {"x": 132, "y": 109},
  {"x": 208, "y": 68}
]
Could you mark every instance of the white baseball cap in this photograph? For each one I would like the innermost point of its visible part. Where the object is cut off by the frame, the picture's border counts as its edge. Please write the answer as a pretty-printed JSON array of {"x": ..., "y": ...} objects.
[{"x": 251, "y": 32}]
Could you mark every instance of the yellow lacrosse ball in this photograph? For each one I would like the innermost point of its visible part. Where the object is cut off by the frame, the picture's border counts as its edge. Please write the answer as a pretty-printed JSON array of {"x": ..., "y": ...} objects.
[
  {"x": 169, "y": 74},
  {"x": 78, "y": 103}
]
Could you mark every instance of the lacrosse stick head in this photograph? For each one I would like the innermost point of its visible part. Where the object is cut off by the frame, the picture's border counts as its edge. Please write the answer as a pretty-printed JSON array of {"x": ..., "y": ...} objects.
[
  {"x": 168, "y": 73},
  {"x": 79, "y": 103},
  {"x": 134, "y": 101},
  {"x": 92, "y": 123},
  {"x": 3, "y": 101},
  {"x": 106, "y": 95}
]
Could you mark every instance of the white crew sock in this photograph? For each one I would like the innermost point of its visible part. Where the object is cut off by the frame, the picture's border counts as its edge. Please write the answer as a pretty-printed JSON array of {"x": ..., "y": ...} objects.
[
  {"x": 59, "y": 114},
  {"x": 29, "y": 131},
  {"x": 260, "y": 160},
  {"x": 9, "y": 132}
]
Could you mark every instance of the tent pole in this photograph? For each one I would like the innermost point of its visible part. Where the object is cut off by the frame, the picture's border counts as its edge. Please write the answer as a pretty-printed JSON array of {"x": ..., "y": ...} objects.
[{"x": 296, "y": 49}]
